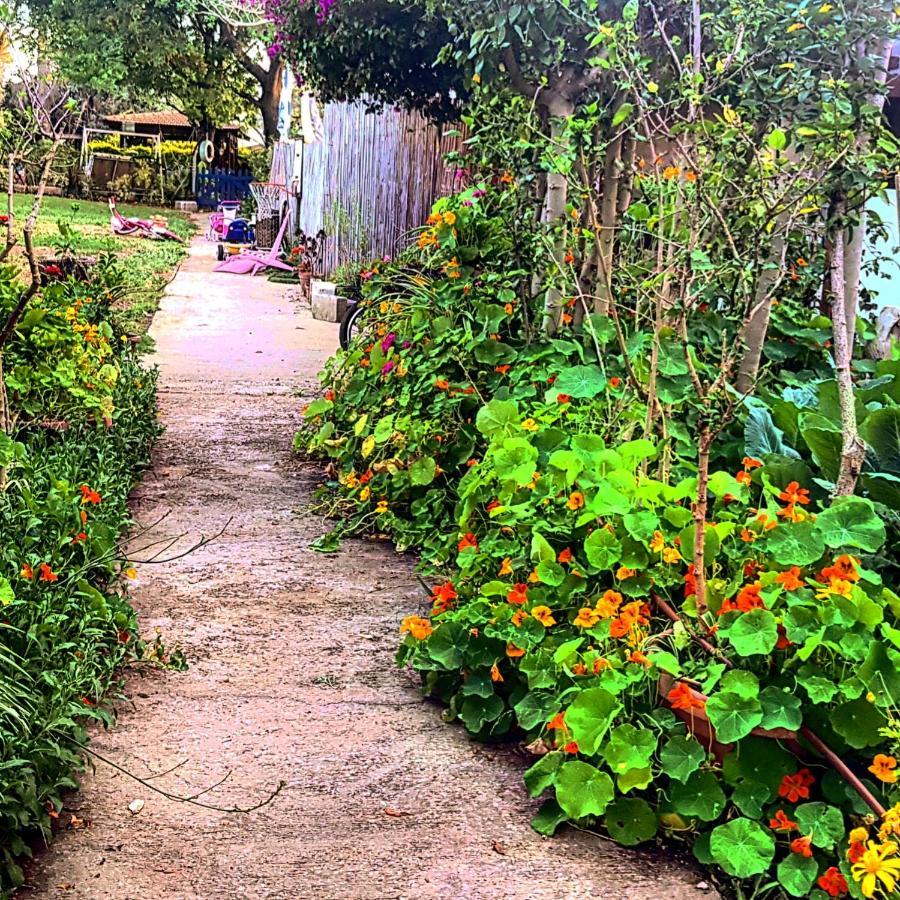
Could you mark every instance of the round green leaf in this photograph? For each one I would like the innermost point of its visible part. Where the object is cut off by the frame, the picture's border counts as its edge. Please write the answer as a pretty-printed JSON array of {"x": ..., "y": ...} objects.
[
  {"x": 582, "y": 790},
  {"x": 754, "y": 632},
  {"x": 742, "y": 847},
  {"x": 732, "y": 715},
  {"x": 780, "y": 709},
  {"x": 797, "y": 873},
  {"x": 851, "y": 522},
  {"x": 681, "y": 757},
  {"x": 796, "y": 543},
  {"x": 602, "y": 549},
  {"x": 589, "y": 717},
  {"x": 629, "y": 748},
  {"x": 823, "y": 823},
  {"x": 858, "y": 723},
  {"x": 422, "y": 471},
  {"x": 701, "y": 796},
  {"x": 580, "y": 381},
  {"x": 498, "y": 417},
  {"x": 630, "y": 821}
]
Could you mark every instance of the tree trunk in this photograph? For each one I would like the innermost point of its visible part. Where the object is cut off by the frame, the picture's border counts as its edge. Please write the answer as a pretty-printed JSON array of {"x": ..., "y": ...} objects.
[
  {"x": 553, "y": 214},
  {"x": 609, "y": 205},
  {"x": 757, "y": 325},
  {"x": 269, "y": 101},
  {"x": 853, "y": 449}
]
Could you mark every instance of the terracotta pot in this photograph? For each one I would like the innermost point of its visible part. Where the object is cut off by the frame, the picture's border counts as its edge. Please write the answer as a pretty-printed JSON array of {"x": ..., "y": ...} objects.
[{"x": 701, "y": 728}]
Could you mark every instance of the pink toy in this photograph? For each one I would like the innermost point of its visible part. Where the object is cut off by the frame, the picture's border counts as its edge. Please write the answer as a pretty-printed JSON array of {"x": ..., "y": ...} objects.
[
  {"x": 252, "y": 261},
  {"x": 140, "y": 227}
]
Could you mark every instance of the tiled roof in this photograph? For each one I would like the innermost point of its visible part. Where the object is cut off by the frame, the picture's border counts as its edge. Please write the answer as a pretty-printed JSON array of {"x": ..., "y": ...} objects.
[{"x": 168, "y": 118}]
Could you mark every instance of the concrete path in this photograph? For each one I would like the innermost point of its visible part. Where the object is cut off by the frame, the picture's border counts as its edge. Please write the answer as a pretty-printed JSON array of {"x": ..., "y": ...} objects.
[{"x": 291, "y": 674}]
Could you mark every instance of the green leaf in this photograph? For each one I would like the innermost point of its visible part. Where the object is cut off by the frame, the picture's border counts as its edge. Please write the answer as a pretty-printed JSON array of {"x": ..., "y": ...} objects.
[
  {"x": 796, "y": 874},
  {"x": 819, "y": 688},
  {"x": 583, "y": 790},
  {"x": 630, "y": 821},
  {"x": 581, "y": 382},
  {"x": 622, "y": 113},
  {"x": 851, "y": 522},
  {"x": 780, "y": 709},
  {"x": 634, "y": 779},
  {"x": 602, "y": 549},
  {"x": 641, "y": 524},
  {"x": 476, "y": 712},
  {"x": 569, "y": 462},
  {"x": 550, "y": 816},
  {"x": 796, "y": 543},
  {"x": 629, "y": 748},
  {"x": 551, "y": 573},
  {"x": 762, "y": 437},
  {"x": 743, "y": 848},
  {"x": 384, "y": 429},
  {"x": 879, "y": 674},
  {"x": 447, "y": 644},
  {"x": 823, "y": 823},
  {"x": 535, "y": 708},
  {"x": 566, "y": 649},
  {"x": 543, "y": 773},
  {"x": 541, "y": 551},
  {"x": 754, "y": 632},
  {"x": 422, "y": 471},
  {"x": 881, "y": 431},
  {"x": 750, "y": 797},
  {"x": 857, "y": 722},
  {"x": 740, "y": 682},
  {"x": 498, "y": 417},
  {"x": 732, "y": 715},
  {"x": 6, "y": 592},
  {"x": 777, "y": 139},
  {"x": 681, "y": 757},
  {"x": 701, "y": 797},
  {"x": 589, "y": 717}
]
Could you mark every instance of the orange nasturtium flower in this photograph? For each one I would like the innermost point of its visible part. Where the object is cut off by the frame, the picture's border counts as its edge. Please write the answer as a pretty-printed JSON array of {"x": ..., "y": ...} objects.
[
  {"x": 793, "y": 493},
  {"x": 790, "y": 580},
  {"x": 608, "y": 605},
  {"x": 518, "y": 595},
  {"x": 27, "y": 572},
  {"x": 657, "y": 542},
  {"x": 467, "y": 540},
  {"x": 883, "y": 768},
  {"x": 682, "y": 697},
  {"x": 802, "y": 845},
  {"x": 671, "y": 555},
  {"x": 505, "y": 566},
  {"x": 441, "y": 384},
  {"x": 443, "y": 595},
  {"x": 845, "y": 567},
  {"x": 47, "y": 574},
  {"x": 544, "y": 615},
  {"x": 637, "y": 657},
  {"x": 495, "y": 673},
  {"x": 88, "y": 495},
  {"x": 623, "y": 573},
  {"x": 418, "y": 627},
  {"x": 586, "y": 618},
  {"x": 781, "y": 822},
  {"x": 748, "y": 462},
  {"x": 514, "y": 652},
  {"x": 571, "y": 747},
  {"x": 833, "y": 882},
  {"x": 557, "y": 723},
  {"x": 518, "y": 617},
  {"x": 565, "y": 556},
  {"x": 575, "y": 501}
]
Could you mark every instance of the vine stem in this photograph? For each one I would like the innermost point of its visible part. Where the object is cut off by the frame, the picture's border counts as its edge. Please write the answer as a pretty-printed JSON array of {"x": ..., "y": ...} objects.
[{"x": 806, "y": 732}]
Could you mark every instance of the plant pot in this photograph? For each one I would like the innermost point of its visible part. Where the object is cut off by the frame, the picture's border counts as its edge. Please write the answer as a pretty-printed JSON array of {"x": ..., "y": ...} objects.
[{"x": 700, "y": 727}]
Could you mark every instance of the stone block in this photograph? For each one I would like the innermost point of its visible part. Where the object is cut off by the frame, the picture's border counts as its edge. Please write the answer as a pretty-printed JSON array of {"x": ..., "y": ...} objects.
[
  {"x": 328, "y": 307},
  {"x": 188, "y": 206}
]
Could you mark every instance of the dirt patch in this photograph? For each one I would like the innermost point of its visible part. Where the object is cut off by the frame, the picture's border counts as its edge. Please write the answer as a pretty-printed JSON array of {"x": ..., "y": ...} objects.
[{"x": 292, "y": 676}]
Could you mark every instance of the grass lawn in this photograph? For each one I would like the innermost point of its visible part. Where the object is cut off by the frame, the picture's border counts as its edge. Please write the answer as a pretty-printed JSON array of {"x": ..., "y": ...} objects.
[{"x": 148, "y": 265}]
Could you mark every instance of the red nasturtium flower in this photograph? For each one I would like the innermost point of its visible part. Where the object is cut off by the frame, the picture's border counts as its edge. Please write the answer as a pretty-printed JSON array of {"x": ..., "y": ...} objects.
[
  {"x": 781, "y": 822},
  {"x": 802, "y": 845},
  {"x": 467, "y": 540},
  {"x": 844, "y": 568},
  {"x": 748, "y": 462},
  {"x": 690, "y": 582},
  {"x": 442, "y": 596},
  {"x": 563, "y": 398},
  {"x": 557, "y": 723},
  {"x": 796, "y": 787},
  {"x": 615, "y": 381},
  {"x": 47, "y": 574},
  {"x": 565, "y": 556},
  {"x": 682, "y": 697},
  {"x": 88, "y": 495},
  {"x": 441, "y": 384},
  {"x": 518, "y": 595},
  {"x": 571, "y": 747},
  {"x": 832, "y": 882}
]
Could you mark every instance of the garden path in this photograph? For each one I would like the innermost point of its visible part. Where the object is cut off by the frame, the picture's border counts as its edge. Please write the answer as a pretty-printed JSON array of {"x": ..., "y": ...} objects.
[{"x": 291, "y": 674}]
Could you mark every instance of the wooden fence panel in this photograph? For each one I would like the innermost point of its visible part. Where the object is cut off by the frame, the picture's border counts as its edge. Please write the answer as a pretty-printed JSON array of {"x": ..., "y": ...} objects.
[{"x": 372, "y": 181}]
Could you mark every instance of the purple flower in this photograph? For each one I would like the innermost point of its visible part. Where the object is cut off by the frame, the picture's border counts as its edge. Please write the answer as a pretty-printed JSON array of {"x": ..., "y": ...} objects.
[
  {"x": 478, "y": 192},
  {"x": 467, "y": 203},
  {"x": 388, "y": 342},
  {"x": 406, "y": 345},
  {"x": 387, "y": 367},
  {"x": 274, "y": 50}
]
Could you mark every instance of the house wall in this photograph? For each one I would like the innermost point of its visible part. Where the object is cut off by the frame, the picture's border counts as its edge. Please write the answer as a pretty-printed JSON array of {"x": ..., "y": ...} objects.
[{"x": 372, "y": 181}]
